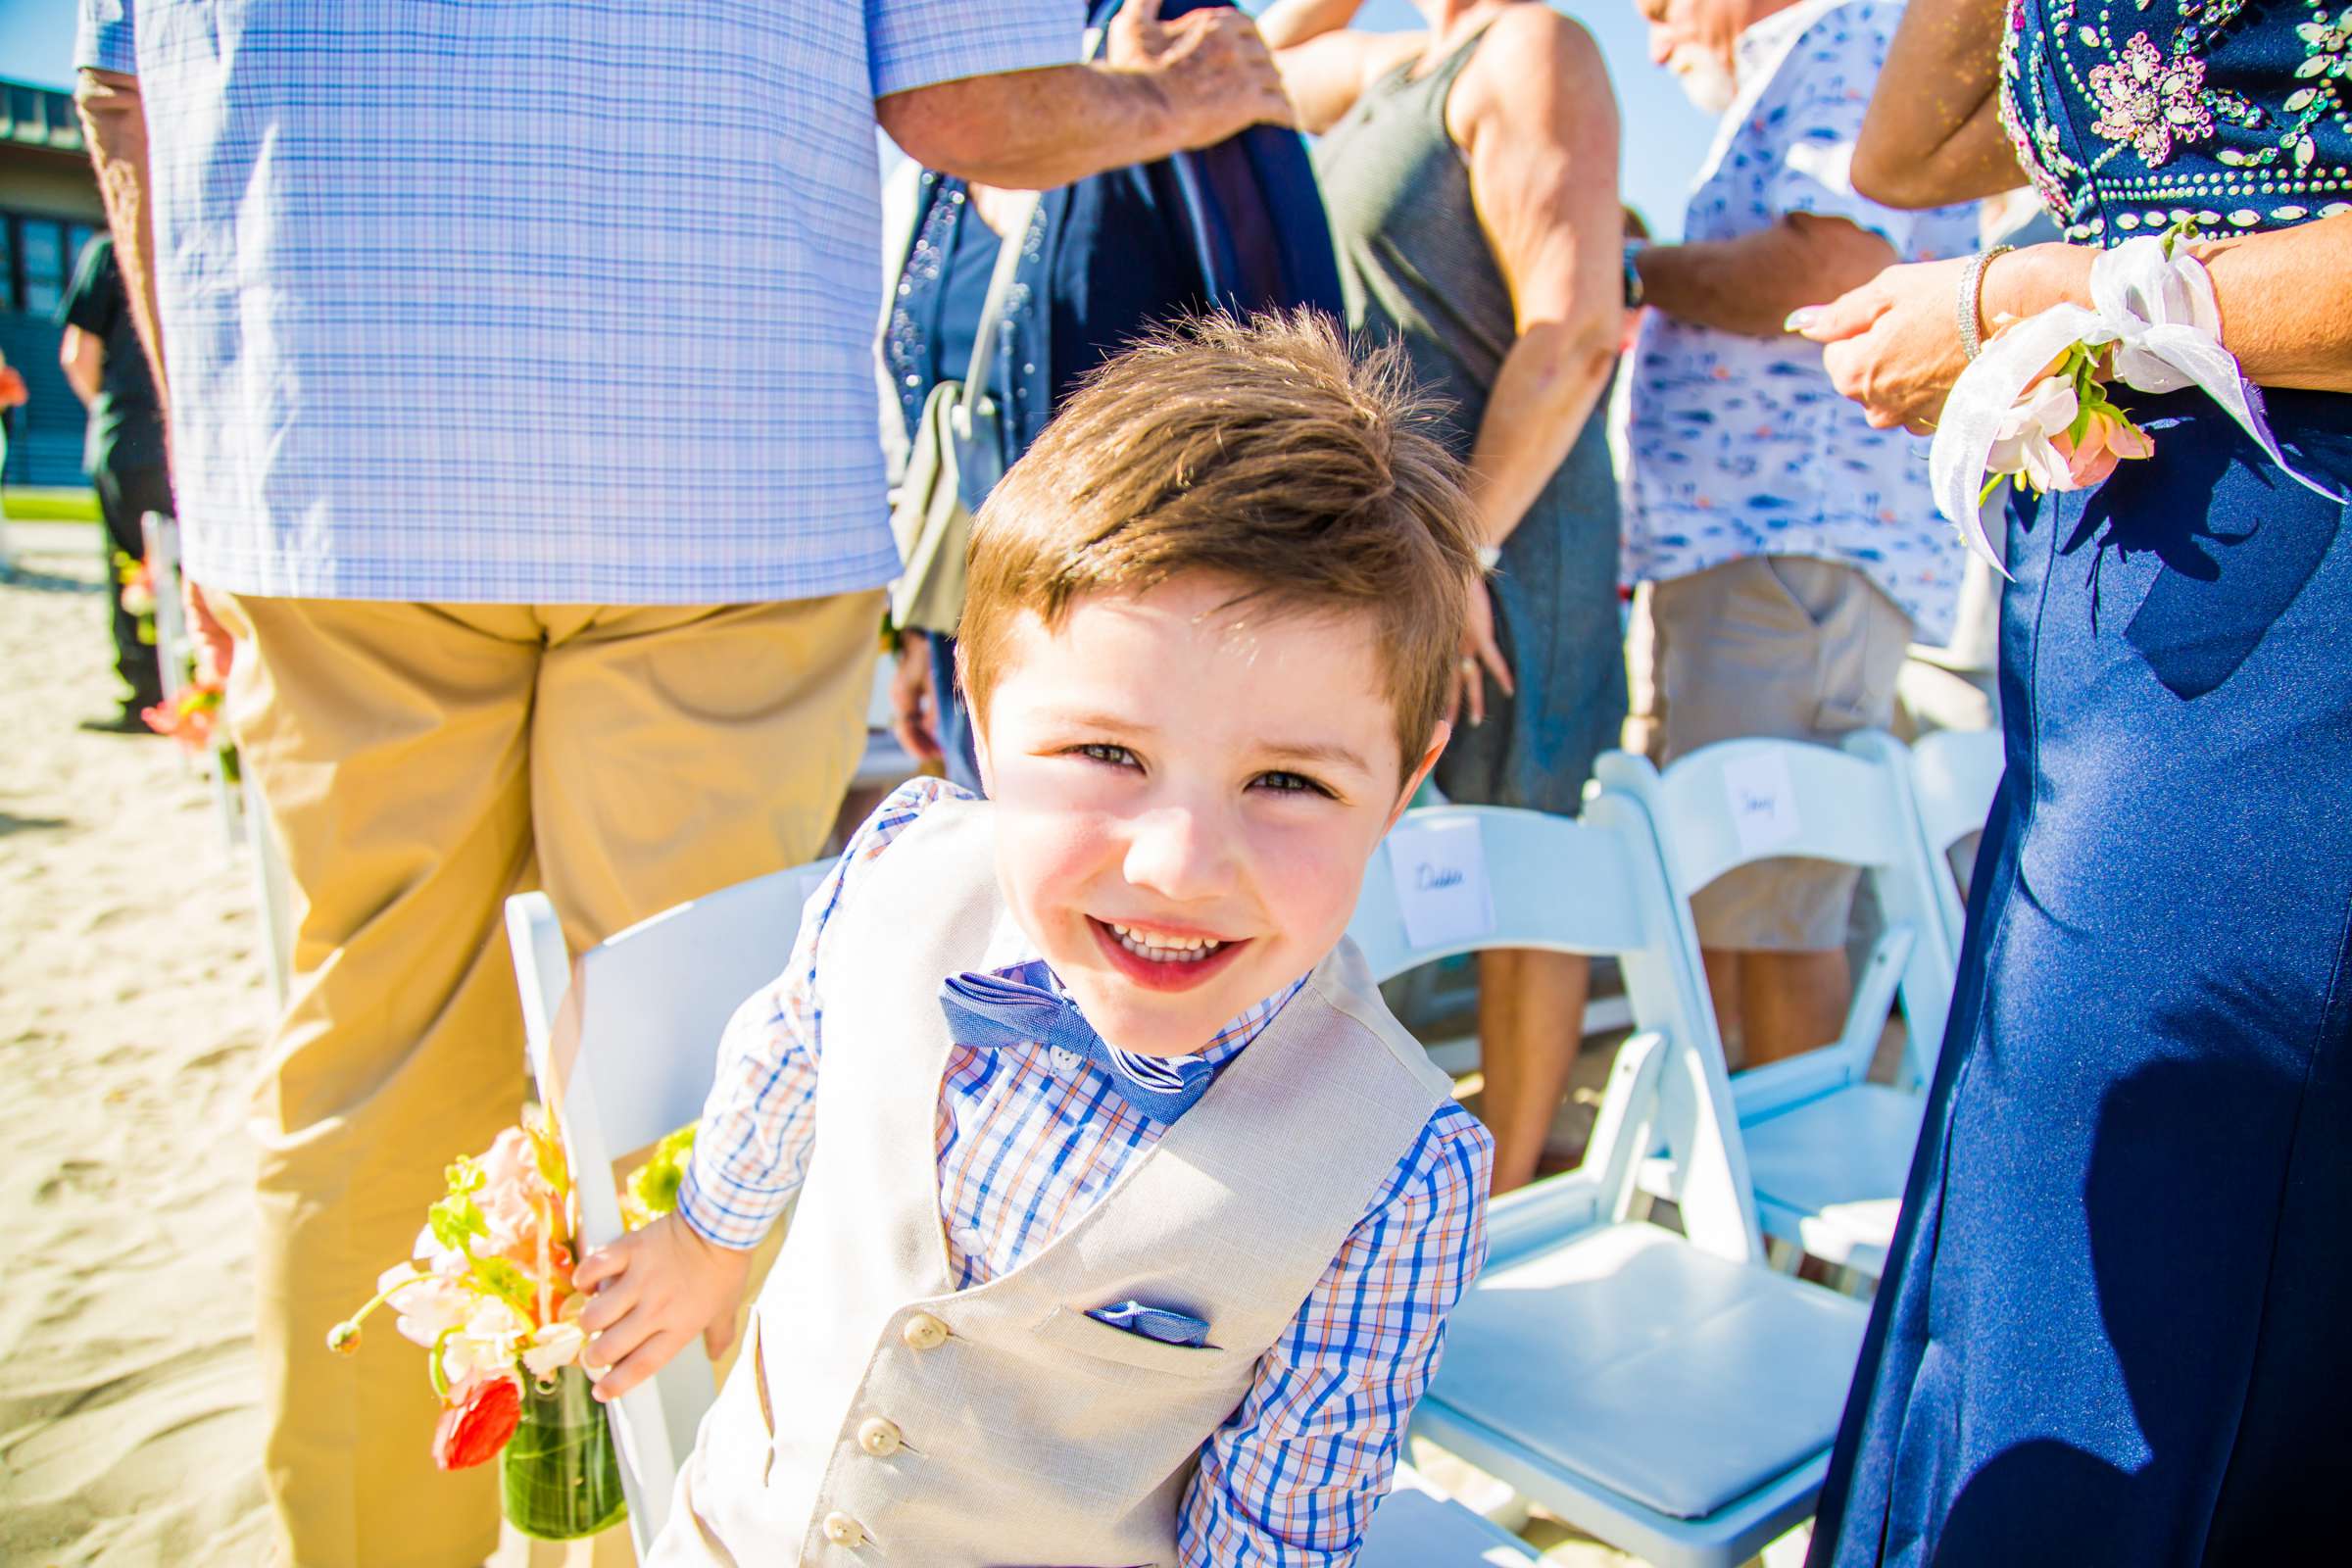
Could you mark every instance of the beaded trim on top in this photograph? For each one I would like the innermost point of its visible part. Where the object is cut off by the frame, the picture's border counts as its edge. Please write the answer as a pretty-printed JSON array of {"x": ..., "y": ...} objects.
[{"x": 2160, "y": 127}]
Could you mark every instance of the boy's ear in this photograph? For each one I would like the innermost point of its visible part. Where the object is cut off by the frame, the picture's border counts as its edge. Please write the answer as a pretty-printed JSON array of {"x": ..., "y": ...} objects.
[{"x": 1436, "y": 747}]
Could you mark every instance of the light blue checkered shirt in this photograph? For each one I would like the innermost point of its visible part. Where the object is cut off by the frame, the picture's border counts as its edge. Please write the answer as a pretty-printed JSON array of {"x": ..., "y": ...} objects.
[{"x": 569, "y": 301}]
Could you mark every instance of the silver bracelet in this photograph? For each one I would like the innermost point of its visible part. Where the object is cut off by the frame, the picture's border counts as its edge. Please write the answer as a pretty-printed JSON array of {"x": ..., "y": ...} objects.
[{"x": 1972, "y": 293}]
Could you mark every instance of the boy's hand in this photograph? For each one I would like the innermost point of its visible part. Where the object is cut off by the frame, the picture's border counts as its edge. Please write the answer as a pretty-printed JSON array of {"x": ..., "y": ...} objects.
[{"x": 656, "y": 1288}]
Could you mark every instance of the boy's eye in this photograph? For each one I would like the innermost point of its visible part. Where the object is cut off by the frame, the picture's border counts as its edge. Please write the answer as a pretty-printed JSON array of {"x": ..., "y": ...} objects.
[
  {"x": 1281, "y": 783},
  {"x": 1103, "y": 752}
]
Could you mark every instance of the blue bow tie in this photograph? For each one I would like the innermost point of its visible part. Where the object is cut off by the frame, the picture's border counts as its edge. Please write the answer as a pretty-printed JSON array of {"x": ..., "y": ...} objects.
[{"x": 1016, "y": 1009}]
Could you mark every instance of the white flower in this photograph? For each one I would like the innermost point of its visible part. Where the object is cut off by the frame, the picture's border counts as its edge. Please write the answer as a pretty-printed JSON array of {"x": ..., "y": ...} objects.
[
  {"x": 2022, "y": 445},
  {"x": 485, "y": 1345},
  {"x": 557, "y": 1344},
  {"x": 429, "y": 1306}
]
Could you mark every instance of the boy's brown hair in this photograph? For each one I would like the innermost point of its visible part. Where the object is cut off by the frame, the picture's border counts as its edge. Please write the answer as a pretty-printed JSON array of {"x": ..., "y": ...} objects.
[{"x": 1262, "y": 451}]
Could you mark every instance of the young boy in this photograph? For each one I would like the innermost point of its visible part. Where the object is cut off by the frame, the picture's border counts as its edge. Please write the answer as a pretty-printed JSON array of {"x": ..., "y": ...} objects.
[{"x": 1128, "y": 1218}]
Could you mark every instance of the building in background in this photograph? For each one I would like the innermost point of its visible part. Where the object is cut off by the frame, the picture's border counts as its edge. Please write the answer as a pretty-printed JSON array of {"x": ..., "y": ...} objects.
[{"x": 48, "y": 208}]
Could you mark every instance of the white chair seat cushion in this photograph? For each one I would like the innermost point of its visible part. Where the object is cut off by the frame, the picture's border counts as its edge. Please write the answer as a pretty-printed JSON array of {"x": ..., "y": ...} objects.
[
  {"x": 1416, "y": 1526},
  {"x": 1630, "y": 1357},
  {"x": 1840, "y": 1163}
]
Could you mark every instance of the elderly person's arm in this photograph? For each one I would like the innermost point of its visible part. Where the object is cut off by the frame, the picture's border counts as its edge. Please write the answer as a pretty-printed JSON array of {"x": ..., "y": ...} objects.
[
  {"x": 1751, "y": 284},
  {"x": 1537, "y": 123},
  {"x": 114, "y": 121},
  {"x": 1325, "y": 64},
  {"x": 1162, "y": 87},
  {"x": 1933, "y": 133}
]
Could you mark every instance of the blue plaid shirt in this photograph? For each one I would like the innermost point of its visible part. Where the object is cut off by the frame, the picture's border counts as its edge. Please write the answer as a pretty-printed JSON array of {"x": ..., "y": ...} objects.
[
  {"x": 1292, "y": 1476},
  {"x": 552, "y": 302}
]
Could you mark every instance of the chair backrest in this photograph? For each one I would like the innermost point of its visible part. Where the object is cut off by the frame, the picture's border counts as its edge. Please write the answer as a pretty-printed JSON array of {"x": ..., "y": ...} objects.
[
  {"x": 624, "y": 1048},
  {"x": 1954, "y": 776},
  {"x": 160, "y": 534},
  {"x": 1454, "y": 879},
  {"x": 1739, "y": 802}
]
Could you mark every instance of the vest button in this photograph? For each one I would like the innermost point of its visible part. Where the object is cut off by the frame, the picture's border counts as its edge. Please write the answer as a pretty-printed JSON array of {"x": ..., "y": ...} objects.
[
  {"x": 844, "y": 1531},
  {"x": 878, "y": 1436},
  {"x": 923, "y": 1332}
]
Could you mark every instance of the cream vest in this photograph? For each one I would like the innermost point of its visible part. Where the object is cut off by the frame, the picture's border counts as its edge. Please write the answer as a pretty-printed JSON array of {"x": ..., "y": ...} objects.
[{"x": 880, "y": 1416}]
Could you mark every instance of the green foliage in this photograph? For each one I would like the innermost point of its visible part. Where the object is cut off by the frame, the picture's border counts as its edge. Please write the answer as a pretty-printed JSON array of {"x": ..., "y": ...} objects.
[
  {"x": 652, "y": 1188},
  {"x": 508, "y": 1283}
]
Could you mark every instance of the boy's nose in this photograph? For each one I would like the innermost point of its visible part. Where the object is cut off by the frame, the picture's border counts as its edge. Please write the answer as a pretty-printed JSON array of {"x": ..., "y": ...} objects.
[{"x": 1176, "y": 854}]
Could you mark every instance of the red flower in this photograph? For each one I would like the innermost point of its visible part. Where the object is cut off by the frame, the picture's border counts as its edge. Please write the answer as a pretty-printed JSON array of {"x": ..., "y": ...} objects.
[{"x": 478, "y": 1425}]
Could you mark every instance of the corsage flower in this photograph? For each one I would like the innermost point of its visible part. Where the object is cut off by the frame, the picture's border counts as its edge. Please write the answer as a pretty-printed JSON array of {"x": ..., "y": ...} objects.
[{"x": 2033, "y": 406}]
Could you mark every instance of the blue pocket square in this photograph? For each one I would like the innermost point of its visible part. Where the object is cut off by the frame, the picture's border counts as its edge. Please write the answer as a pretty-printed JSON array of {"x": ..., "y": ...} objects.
[{"x": 1154, "y": 1323}]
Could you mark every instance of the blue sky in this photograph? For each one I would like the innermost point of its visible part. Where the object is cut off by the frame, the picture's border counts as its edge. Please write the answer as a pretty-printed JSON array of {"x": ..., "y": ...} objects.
[{"x": 1664, "y": 136}]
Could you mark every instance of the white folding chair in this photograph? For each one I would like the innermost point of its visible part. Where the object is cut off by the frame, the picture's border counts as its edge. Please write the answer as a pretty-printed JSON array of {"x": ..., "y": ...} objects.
[
  {"x": 1954, "y": 776},
  {"x": 1665, "y": 1393},
  {"x": 624, "y": 1044},
  {"x": 1829, "y": 1151},
  {"x": 623, "y": 1047}
]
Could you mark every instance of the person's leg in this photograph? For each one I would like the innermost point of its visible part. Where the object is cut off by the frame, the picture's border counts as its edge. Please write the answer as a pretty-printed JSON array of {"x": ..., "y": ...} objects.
[
  {"x": 1791, "y": 1002},
  {"x": 1800, "y": 650},
  {"x": 389, "y": 743},
  {"x": 1531, "y": 1020},
  {"x": 123, "y": 500},
  {"x": 678, "y": 750}
]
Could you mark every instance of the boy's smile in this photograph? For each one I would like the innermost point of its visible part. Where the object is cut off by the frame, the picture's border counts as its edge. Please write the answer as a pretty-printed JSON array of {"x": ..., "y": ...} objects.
[{"x": 1186, "y": 793}]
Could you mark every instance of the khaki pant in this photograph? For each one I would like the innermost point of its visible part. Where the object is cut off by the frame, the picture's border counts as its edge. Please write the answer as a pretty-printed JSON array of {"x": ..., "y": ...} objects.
[
  {"x": 1780, "y": 646},
  {"x": 419, "y": 763}
]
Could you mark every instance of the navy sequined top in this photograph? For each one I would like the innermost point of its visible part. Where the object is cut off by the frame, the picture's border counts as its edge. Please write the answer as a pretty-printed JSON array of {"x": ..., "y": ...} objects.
[{"x": 2133, "y": 115}]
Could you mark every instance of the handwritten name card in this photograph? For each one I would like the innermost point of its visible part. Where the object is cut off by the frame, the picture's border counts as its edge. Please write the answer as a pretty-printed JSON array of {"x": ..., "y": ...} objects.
[{"x": 1439, "y": 871}]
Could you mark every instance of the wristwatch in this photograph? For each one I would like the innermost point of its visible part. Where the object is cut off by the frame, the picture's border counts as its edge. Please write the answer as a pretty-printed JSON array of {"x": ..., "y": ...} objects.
[{"x": 1634, "y": 292}]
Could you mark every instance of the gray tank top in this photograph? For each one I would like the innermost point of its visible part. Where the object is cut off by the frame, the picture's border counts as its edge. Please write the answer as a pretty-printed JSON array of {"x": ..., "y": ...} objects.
[
  {"x": 1414, "y": 264},
  {"x": 1415, "y": 268}
]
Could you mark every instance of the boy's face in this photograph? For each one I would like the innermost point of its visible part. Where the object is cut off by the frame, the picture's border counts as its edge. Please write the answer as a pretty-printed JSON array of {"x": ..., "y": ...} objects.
[{"x": 1185, "y": 798}]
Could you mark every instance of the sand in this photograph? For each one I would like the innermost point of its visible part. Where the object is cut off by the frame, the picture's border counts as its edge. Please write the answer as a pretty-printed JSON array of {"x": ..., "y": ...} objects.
[{"x": 132, "y": 1008}]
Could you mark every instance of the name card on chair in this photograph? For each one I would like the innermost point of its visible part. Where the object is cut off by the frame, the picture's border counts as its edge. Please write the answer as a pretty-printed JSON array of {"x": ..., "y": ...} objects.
[
  {"x": 1439, "y": 869},
  {"x": 1763, "y": 802}
]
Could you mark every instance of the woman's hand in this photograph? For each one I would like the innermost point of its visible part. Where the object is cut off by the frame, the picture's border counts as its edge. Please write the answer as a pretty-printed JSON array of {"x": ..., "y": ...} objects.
[
  {"x": 913, "y": 705},
  {"x": 1893, "y": 344},
  {"x": 1482, "y": 655}
]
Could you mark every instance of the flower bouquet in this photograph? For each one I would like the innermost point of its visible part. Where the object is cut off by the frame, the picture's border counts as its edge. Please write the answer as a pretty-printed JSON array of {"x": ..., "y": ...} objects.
[
  {"x": 136, "y": 576},
  {"x": 489, "y": 1293},
  {"x": 192, "y": 718}
]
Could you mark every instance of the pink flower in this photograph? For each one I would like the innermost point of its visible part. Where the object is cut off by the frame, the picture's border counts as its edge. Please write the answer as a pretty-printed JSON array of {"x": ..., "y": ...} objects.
[
  {"x": 2108, "y": 438},
  {"x": 2087, "y": 463},
  {"x": 517, "y": 1203}
]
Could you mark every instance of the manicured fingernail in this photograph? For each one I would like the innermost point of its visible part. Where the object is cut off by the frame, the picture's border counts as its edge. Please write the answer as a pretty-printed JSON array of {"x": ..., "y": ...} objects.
[{"x": 1802, "y": 316}]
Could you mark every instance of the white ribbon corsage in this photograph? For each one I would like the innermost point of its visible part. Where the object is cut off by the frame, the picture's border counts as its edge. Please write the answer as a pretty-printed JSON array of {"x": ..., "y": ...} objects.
[{"x": 2034, "y": 407}]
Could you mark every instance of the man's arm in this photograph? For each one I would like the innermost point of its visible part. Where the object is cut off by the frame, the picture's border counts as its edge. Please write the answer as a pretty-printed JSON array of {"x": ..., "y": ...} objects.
[
  {"x": 1293, "y": 1474},
  {"x": 83, "y": 359},
  {"x": 1750, "y": 284},
  {"x": 1163, "y": 87},
  {"x": 114, "y": 121}
]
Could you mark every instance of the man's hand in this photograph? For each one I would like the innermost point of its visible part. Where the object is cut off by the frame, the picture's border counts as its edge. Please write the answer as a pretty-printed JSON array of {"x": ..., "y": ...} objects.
[
  {"x": 656, "y": 1288},
  {"x": 913, "y": 705},
  {"x": 1162, "y": 87},
  {"x": 216, "y": 649},
  {"x": 1214, "y": 69}
]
